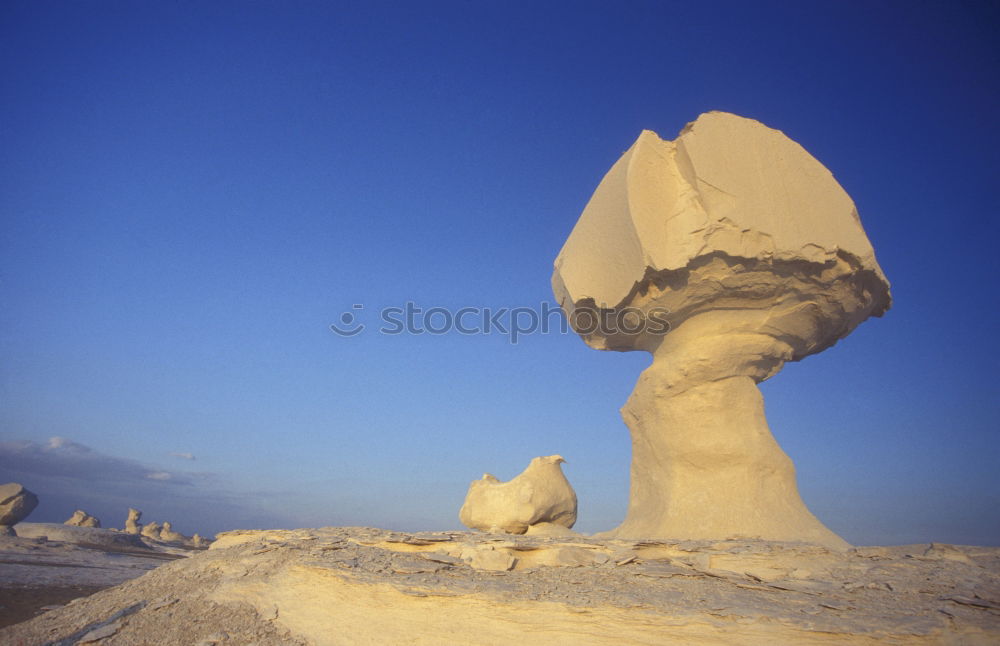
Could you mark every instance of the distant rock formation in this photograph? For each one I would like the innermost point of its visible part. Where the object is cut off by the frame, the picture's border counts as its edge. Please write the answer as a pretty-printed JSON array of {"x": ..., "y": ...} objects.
[
  {"x": 151, "y": 530},
  {"x": 80, "y": 518},
  {"x": 168, "y": 534},
  {"x": 132, "y": 525},
  {"x": 724, "y": 254},
  {"x": 540, "y": 494},
  {"x": 198, "y": 541},
  {"x": 16, "y": 503}
]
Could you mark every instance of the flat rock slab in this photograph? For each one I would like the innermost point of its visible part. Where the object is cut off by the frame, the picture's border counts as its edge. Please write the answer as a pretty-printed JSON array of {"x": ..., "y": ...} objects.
[
  {"x": 89, "y": 536},
  {"x": 367, "y": 586}
]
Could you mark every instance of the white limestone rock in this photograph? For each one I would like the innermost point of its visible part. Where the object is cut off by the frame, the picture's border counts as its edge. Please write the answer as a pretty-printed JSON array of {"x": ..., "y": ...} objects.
[
  {"x": 168, "y": 534},
  {"x": 726, "y": 187},
  {"x": 488, "y": 557},
  {"x": 80, "y": 518},
  {"x": 132, "y": 525},
  {"x": 151, "y": 530},
  {"x": 723, "y": 253},
  {"x": 16, "y": 503},
  {"x": 540, "y": 494}
]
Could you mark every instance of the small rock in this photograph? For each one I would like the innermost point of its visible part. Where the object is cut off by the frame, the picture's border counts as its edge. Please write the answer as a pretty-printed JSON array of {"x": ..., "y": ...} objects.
[
  {"x": 488, "y": 558},
  {"x": 662, "y": 569},
  {"x": 945, "y": 552},
  {"x": 442, "y": 558},
  {"x": 415, "y": 568},
  {"x": 80, "y": 518},
  {"x": 151, "y": 530},
  {"x": 569, "y": 556},
  {"x": 168, "y": 534}
]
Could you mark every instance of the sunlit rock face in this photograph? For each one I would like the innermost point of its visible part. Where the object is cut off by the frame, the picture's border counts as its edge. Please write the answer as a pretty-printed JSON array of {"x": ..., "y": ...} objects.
[
  {"x": 132, "y": 524},
  {"x": 723, "y": 253},
  {"x": 151, "y": 530},
  {"x": 539, "y": 496},
  {"x": 168, "y": 534},
  {"x": 80, "y": 518},
  {"x": 16, "y": 503}
]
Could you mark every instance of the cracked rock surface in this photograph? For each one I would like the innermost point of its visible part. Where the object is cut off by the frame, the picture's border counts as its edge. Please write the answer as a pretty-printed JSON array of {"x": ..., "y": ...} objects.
[{"x": 369, "y": 586}]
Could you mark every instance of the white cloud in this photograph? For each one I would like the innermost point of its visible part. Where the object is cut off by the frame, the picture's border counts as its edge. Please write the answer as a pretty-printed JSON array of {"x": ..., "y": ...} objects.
[
  {"x": 183, "y": 456},
  {"x": 159, "y": 475}
]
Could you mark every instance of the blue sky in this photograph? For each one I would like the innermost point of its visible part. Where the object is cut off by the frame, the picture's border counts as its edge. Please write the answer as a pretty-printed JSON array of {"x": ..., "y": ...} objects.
[{"x": 191, "y": 193}]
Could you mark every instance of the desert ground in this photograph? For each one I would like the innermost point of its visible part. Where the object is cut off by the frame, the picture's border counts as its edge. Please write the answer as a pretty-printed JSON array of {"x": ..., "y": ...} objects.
[
  {"x": 49, "y": 565},
  {"x": 342, "y": 585}
]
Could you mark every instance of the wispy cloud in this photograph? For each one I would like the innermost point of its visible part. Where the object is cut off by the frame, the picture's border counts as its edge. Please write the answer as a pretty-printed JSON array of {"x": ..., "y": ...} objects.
[
  {"x": 65, "y": 459},
  {"x": 183, "y": 456}
]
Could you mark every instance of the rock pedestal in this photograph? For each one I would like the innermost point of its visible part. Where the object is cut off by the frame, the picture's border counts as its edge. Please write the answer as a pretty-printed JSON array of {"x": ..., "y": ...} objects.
[{"x": 724, "y": 254}]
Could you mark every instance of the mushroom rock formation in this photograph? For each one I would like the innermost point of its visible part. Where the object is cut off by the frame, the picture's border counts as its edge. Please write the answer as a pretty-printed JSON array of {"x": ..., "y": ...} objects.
[
  {"x": 724, "y": 254},
  {"x": 132, "y": 525},
  {"x": 81, "y": 518},
  {"x": 540, "y": 494},
  {"x": 16, "y": 503},
  {"x": 151, "y": 530}
]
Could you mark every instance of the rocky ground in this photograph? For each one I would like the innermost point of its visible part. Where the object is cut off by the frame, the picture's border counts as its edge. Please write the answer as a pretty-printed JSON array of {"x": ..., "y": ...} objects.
[
  {"x": 48, "y": 565},
  {"x": 368, "y": 586}
]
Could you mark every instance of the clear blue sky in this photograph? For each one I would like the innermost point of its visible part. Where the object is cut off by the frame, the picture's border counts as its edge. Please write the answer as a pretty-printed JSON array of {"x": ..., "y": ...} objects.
[{"x": 192, "y": 192}]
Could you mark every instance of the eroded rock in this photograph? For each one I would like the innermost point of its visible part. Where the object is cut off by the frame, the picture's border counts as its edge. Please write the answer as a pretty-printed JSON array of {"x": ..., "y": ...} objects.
[
  {"x": 724, "y": 254},
  {"x": 168, "y": 534},
  {"x": 80, "y": 518},
  {"x": 16, "y": 503},
  {"x": 151, "y": 530},
  {"x": 132, "y": 525},
  {"x": 540, "y": 494}
]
